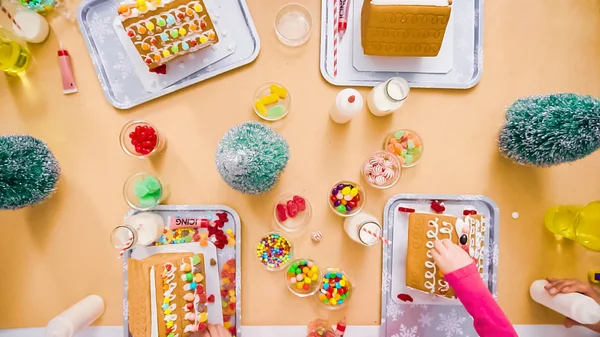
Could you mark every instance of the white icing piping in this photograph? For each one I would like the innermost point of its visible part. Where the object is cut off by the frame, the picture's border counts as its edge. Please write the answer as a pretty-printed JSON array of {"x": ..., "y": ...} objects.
[{"x": 431, "y": 273}]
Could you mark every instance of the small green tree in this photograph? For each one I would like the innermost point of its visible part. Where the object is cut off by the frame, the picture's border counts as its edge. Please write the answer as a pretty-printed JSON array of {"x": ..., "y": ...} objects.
[
  {"x": 251, "y": 156},
  {"x": 547, "y": 130},
  {"x": 28, "y": 171}
]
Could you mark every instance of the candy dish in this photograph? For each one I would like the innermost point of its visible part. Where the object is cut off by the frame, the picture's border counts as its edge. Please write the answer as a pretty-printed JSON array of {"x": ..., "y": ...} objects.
[
  {"x": 382, "y": 169},
  {"x": 272, "y": 101},
  {"x": 335, "y": 289},
  {"x": 142, "y": 191},
  {"x": 293, "y": 24},
  {"x": 141, "y": 139},
  {"x": 274, "y": 251},
  {"x": 406, "y": 144},
  {"x": 292, "y": 212},
  {"x": 302, "y": 277},
  {"x": 346, "y": 198}
]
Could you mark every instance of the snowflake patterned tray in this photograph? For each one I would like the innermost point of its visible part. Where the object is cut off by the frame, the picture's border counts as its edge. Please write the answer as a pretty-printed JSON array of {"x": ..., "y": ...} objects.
[
  {"x": 429, "y": 315},
  {"x": 223, "y": 255},
  {"x": 467, "y": 58},
  {"x": 116, "y": 74}
]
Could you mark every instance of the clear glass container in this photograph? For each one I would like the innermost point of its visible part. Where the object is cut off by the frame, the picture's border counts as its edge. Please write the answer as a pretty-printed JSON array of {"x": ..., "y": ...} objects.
[
  {"x": 406, "y": 144},
  {"x": 352, "y": 203},
  {"x": 142, "y": 228},
  {"x": 328, "y": 296},
  {"x": 141, "y": 139},
  {"x": 388, "y": 96},
  {"x": 272, "y": 101},
  {"x": 303, "y": 277},
  {"x": 301, "y": 211},
  {"x": 143, "y": 191},
  {"x": 381, "y": 169},
  {"x": 293, "y": 24}
]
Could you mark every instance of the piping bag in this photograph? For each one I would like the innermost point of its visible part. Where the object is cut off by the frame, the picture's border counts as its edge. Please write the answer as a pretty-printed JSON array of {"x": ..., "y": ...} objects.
[{"x": 66, "y": 71}]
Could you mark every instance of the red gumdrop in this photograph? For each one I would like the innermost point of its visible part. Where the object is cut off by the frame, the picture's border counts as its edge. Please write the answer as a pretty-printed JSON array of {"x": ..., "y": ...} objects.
[
  {"x": 211, "y": 299},
  {"x": 232, "y": 330},
  {"x": 231, "y": 262},
  {"x": 300, "y": 203},
  {"x": 232, "y": 306},
  {"x": 202, "y": 326},
  {"x": 405, "y": 298},
  {"x": 224, "y": 295},
  {"x": 292, "y": 209},
  {"x": 202, "y": 297},
  {"x": 281, "y": 213}
]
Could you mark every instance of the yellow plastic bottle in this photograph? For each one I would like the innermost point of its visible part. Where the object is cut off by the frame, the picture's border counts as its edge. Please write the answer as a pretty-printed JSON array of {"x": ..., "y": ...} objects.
[
  {"x": 578, "y": 223},
  {"x": 14, "y": 57}
]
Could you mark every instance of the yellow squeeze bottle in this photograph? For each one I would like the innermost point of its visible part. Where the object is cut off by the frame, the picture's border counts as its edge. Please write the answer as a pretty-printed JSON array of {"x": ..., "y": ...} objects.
[
  {"x": 578, "y": 223},
  {"x": 14, "y": 58}
]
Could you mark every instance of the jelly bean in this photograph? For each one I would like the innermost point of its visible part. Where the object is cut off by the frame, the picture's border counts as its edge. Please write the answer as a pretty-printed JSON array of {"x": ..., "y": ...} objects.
[
  {"x": 341, "y": 209},
  {"x": 391, "y": 148},
  {"x": 354, "y": 191},
  {"x": 346, "y": 190},
  {"x": 408, "y": 159},
  {"x": 269, "y": 99},
  {"x": 399, "y": 134}
]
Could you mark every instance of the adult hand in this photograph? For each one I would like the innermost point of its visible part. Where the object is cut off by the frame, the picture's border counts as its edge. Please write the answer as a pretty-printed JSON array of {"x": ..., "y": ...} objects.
[
  {"x": 565, "y": 286},
  {"x": 449, "y": 257},
  {"x": 213, "y": 330}
]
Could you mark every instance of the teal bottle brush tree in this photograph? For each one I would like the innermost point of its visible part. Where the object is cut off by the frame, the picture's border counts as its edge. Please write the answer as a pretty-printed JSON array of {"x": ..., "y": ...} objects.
[
  {"x": 548, "y": 130},
  {"x": 28, "y": 171},
  {"x": 251, "y": 156}
]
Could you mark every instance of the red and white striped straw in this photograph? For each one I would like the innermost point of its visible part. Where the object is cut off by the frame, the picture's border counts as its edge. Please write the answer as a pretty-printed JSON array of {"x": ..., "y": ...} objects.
[
  {"x": 5, "y": 11},
  {"x": 127, "y": 244},
  {"x": 381, "y": 238},
  {"x": 336, "y": 9}
]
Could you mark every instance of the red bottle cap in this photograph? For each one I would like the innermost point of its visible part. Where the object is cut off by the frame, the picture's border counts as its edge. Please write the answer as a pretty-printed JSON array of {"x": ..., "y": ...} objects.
[{"x": 351, "y": 99}]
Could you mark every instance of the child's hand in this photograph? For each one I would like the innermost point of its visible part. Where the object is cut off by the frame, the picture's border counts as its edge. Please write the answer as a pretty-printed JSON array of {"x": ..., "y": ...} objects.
[
  {"x": 213, "y": 330},
  {"x": 565, "y": 286},
  {"x": 449, "y": 257}
]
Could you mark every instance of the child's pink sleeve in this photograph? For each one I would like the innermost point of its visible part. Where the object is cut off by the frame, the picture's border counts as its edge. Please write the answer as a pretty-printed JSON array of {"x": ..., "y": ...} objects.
[{"x": 490, "y": 321}]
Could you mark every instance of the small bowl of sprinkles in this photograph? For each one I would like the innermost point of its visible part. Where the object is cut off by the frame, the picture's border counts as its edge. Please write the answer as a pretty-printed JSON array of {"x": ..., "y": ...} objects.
[
  {"x": 346, "y": 198},
  {"x": 406, "y": 144},
  {"x": 274, "y": 251},
  {"x": 335, "y": 289},
  {"x": 382, "y": 169},
  {"x": 302, "y": 277},
  {"x": 272, "y": 101}
]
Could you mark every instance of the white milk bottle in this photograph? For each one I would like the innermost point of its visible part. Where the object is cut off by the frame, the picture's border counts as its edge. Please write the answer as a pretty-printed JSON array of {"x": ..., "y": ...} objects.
[
  {"x": 347, "y": 104},
  {"x": 140, "y": 229},
  {"x": 355, "y": 227},
  {"x": 388, "y": 96},
  {"x": 576, "y": 306},
  {"x": 77, "y": 317}
]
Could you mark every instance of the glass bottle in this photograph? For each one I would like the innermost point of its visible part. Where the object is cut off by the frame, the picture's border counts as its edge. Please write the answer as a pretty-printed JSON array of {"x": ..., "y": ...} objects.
[
  {"x": 14, "y": 57},
  {"x": 578, "y": 223}
]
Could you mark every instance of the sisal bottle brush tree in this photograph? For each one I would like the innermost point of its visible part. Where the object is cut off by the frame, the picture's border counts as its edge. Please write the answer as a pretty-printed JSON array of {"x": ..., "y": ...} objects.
[
  {"x": 28, "y": 171},
  {"x": 251, "y": 156},
  {"x": 546, "y": 130}
]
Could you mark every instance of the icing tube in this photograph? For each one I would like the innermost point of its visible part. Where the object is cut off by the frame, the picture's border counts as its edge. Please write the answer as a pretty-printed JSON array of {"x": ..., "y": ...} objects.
[
  {"x": 177, "y": 222},
  {"x": 66, "y": 72},
  {"x": 343, "y": 17}
]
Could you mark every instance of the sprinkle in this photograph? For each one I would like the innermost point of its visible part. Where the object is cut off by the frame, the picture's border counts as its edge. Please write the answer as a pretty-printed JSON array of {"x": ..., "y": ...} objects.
[{"x": 274, "y": 251}]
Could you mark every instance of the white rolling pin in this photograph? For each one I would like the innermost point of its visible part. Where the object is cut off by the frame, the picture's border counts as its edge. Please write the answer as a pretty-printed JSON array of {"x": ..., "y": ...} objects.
[
  {"x": 576, "y": 306},
  {"x": 34, "y": 27},
  {"x": 77, "y": 317}
]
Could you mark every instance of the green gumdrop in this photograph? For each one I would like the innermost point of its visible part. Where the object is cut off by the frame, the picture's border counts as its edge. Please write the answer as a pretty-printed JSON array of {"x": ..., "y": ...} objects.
[
  {"x": 399, "y": 134},
  {"x": 148, "y": 201},
  {"x": 411, "y": 144},
  {"x": 155, "y": 195},
  {"x": 276, "y": 111},
  {"x": 404, "y": 152},
  {"x": 152, "y": 184},
  {"x": 418, "y": 149},
  {"x": 410, "y": 151},
  {"x": 195, "y": 260},
  {"x": 341, "y": 209},
  {"x": 408, "y": 159},
  {"x": 140, "y": 189}
]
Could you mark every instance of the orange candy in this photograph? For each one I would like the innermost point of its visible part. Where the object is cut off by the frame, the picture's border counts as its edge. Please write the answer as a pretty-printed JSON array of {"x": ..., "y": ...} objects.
[
  {"x": 391, "y": 148},
  {"x": 211, "y": 35},
  {"x": 393, "y": 141},
  {"x": 398, "y": 148},
  {"x": 156, "y": 58},
  {"x": 193, "y": 27},
  {"x": 142, "y": 30},
  {"x": 145, "y": 46},
  {"x": 189, "y": 12}
]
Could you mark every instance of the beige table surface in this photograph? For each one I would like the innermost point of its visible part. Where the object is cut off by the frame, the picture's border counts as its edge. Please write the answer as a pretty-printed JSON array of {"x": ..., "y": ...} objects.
[{"x": 55, "y": 253}]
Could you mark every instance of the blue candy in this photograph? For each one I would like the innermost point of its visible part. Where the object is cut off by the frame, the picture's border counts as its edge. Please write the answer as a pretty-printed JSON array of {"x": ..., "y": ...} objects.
[
  {"x": 164, "y": 36},
  {"x": 193, "y": 285},
  {"x": 170, "y": 19}
]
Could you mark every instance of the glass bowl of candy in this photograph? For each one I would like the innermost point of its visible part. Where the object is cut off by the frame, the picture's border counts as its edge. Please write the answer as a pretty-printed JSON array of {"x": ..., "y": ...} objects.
[
  {"x": 406, "y": 144},
  {"x": 382, "y": 169},
  {"x": 142, "y": 191},
  {"x": 141, "y": 139},
  {"x": 335, "y": 289},
  {"x": 346, "y": 198},
  {"x": 272, "y": 101},
  {"x": 43, "y": 7},
  {"x": 274, "y": 251},
  {"x": 292, "y": 212},
  {"x": 302, "y": 277}
]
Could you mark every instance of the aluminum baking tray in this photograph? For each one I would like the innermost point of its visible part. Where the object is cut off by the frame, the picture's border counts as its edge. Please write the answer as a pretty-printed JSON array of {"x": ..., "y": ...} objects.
[
  {"x": 430, "y": 316},
  {"x": 467, "y": 48},
  {"x": 121, "y": 86},
  {"x": 223, "y": 255}
]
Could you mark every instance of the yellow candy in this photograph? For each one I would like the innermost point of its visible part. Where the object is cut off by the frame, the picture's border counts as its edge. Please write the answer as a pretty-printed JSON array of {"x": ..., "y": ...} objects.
[
  {"x": 335, "y": 291},
  {"x": 203, "y": 39},
  {"x": 269, "y": 99},
  {"x": 169, "y": 324},
  {"x": 299, "y": 285},
  {"x": 305, "y": 270},
  {"x": 231, "y": 293},
  {"x": 156, "y": 2},
  {"x": 150, "y": 25},
  {"x": 346, "y": 190},
  {"x": 227, "y": 325},
  {"x": 167, "y": 312},
  {"x": 307, "y": 280},
  {"x": 333, "y": 301},
  {"x": 232, "y": 299},
  {"x": 277, "y": 90},
  {"x": 314, "y": 277},
  {"x": 309, "y": 273},
  {"x": 342, "y": 283},
  {"x": 143, "y": 8},
  {"x": 199, "y": 278},
  {"x": 260, "y": 107},
  {"x": 353, "y": 192},
  {"x": 198, "y": 8},
  {"x": 182, "y": 31},
  {"x": 203, "y": 317},
  {"x": 166, "y": 53},
  {"x": 166, "y": 301}
]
